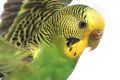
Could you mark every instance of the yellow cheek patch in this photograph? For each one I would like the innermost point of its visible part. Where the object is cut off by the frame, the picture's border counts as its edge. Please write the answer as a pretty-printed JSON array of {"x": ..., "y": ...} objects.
[{"x": 75, "y": 50}]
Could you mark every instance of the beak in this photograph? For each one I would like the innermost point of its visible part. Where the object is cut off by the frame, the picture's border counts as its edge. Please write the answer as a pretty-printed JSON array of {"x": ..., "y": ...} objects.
[{"x": 94, "y": 39}]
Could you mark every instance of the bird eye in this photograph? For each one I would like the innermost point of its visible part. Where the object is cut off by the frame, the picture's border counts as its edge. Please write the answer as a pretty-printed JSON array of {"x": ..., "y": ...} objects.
[{"x": 82, "y": 24}]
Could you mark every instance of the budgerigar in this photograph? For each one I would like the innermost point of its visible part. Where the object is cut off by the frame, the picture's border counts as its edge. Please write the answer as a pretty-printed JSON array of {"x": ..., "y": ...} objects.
[{"x": 43, "y": 39}]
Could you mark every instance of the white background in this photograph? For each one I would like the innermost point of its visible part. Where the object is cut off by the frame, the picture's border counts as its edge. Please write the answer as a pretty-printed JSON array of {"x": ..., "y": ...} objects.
[{"x": 104, "y": 62}]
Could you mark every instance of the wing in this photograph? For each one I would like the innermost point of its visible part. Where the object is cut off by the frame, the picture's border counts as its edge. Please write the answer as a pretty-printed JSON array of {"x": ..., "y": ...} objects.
[
  {"x": 21, "y": 18},
  {"x": 13, "y": 7}
]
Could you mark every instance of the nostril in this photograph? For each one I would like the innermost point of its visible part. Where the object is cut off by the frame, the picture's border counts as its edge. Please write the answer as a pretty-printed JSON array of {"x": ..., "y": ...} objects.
[
  {"x": 100, "y": 33},
  {"x": 97, "y": 34}
]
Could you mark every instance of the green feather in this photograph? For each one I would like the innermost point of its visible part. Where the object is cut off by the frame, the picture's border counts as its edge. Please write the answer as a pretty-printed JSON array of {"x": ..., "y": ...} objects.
[{"x": 50, "y": 64}]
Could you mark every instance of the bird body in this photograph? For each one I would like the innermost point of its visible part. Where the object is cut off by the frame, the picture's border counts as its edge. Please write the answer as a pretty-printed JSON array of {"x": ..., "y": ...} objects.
[{"x": 46, "y": 34}]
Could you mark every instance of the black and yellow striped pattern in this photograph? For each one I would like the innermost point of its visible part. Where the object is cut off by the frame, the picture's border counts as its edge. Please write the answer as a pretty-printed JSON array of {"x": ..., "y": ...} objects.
[
  {"x": 58, "y": 25},
  {"x": 41, "y": 21},
  {"x": 28, "y": 25},
  {"x": 27, "y": 16}
]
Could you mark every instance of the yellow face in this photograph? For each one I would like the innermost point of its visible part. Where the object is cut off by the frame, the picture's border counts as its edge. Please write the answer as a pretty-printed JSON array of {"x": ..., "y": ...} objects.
[
  {"x": 76, "y": 49},
  {"x": 95, "y": 27}
]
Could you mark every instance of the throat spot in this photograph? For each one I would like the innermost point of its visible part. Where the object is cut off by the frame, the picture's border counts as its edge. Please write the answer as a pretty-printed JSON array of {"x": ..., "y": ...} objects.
[
  {"x": 71, "y": 41},
  {"x": 71, "y": 47}
]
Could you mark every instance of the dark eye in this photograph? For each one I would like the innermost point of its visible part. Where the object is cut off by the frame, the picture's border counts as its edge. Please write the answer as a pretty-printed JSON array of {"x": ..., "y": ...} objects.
[{"x": 82, "y": 24}]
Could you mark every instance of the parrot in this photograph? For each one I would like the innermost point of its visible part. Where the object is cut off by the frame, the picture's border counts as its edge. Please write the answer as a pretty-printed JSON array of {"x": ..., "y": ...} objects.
[{"x": 43, "y": 39}]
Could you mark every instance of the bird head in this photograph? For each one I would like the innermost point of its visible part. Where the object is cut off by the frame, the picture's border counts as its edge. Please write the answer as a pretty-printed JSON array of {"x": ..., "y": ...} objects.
[{"x": 81, "y": 26}]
